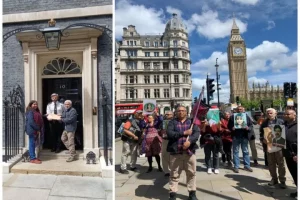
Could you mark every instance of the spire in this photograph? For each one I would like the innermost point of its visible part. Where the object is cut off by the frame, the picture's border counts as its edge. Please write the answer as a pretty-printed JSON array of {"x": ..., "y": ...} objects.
[{"x": 234, "y": 26}]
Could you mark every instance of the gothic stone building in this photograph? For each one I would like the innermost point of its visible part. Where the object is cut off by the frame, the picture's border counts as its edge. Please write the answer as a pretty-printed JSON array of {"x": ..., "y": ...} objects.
[
  {"x": 155, "y": 67},
  {"x": 76, "y": 71}
]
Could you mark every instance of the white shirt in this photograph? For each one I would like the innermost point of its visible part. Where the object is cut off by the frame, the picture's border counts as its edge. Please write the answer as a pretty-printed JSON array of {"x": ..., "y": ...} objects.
[{"x": 59, "y": 107}]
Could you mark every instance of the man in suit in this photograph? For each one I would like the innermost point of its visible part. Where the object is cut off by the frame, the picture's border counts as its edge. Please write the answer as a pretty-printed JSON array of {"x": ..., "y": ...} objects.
[{"x": 278, "y": 140}]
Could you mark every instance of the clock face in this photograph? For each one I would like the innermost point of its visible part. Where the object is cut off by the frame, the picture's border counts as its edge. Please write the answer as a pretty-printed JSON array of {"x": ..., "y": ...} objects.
[{"x": 238, "y": 51}]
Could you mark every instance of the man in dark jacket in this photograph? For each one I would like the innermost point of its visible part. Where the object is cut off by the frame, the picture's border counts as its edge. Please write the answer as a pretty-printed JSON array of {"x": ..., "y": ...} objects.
[
  {"x": 182, "y": 152},
  {"x": 290, "y": 153},
  {"x": 69, "y": 118},
  {"x": 274, "y": 158},
  {"x": 240, "y": 138}
]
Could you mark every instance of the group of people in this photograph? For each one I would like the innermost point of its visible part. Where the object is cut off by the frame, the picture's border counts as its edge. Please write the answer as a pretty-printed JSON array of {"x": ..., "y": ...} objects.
[
  {"x": 176, "y": 138},
  {"x": 62, "y": 121}
]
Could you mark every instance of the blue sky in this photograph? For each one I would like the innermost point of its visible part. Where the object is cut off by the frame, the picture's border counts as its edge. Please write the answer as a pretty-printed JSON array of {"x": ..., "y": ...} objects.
[{"x": 269, "y": 28}]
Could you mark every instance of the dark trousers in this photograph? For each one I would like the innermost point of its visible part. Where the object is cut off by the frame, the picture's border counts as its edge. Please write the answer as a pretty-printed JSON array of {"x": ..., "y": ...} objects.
[
  {"x": 292, "y": 165},
  {"x": 227, "y": 148},
  {"x": 265, "y": 154},
  {"x": 208, "y": 150},
  {"x": 55, "y": 134}
]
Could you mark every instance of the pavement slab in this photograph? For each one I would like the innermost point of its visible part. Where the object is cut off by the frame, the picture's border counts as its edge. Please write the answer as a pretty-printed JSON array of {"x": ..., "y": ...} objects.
[
  {"x": 34, "y": 181},
  {"x": 13, "y": 193}
]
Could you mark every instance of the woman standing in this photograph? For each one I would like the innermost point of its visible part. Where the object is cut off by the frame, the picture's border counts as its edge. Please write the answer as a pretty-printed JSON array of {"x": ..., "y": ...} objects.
[
  {"x": 153, "y": 140},
  {"x": 34, "y": 129},
  {"x": 227, "y": 140}
]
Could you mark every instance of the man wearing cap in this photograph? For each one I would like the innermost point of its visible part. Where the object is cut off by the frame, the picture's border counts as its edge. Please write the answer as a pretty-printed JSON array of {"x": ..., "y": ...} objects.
[
  {"x": 130, "y": 142},
  {"x": 55, "y": 107}
]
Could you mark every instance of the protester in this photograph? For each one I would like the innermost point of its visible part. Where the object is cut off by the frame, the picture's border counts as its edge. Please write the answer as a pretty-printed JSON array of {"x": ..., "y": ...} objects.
[
  {"x": 152, "y": 139},
  {"x": 165, "y": 156},
  {"x": 34, "y": 128},
  {"x": 130, "y": 139},
  {"x": 240, "y": 138},
  {"x": 182, "y": 152},
  {"x": 290, "y": 153},
  {"x": 55, "y": 107},
  {"x": 69, "y": 118},
  {"x": 227, "y": 140}
]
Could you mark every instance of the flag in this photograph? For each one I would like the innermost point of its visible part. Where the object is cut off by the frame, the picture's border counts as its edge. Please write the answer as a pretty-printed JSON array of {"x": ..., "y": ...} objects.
[{"x": 200, "y": 109}]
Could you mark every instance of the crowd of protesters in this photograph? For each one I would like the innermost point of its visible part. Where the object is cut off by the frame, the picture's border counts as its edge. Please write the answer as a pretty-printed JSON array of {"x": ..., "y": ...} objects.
[{"x": 179, "y": 138}]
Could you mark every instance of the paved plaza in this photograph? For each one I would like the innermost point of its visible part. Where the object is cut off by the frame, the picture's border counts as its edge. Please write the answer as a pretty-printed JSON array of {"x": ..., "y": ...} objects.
[{"x": 226, "y": 186}]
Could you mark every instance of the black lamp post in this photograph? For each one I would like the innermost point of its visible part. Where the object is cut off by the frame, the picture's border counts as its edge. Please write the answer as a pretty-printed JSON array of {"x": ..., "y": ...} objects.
[
  {"x": 218, "y": 77},
  {"x": 52, "y": 37}
]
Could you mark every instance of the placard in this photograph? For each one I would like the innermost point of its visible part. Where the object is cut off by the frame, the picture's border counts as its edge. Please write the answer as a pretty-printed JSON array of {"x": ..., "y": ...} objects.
[
  {"x": 240, "y": 120},
  {"x": 213, "y": 116},
  {"x": 149, "y": 106},
  {"x": 53, "y": 117}
]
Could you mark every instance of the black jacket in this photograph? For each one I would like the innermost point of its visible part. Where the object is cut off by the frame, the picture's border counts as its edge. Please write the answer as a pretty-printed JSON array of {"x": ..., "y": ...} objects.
[
  {"x": 174, "y": 134},
  {"x": 291, "y": 139},
  {"x": 266, "y": 124},
  {"x": 240, "y": 133}
]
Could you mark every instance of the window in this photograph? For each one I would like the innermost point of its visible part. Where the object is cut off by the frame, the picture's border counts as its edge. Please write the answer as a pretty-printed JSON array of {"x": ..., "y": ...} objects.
[
  {"x": 131, "y": 93},
  {"x": 147, "y": 44},
  {"x": 185, "y": 65},
  {"x": 156, "y": 65},
  {"x": 175, "y": 52},
  {"x": 147, "y": 79},
  {"x": 176, "y": 78},
  {"x": 131, "y": 65},
  {"x": 147, "y": 93},
  {"x": 147, "y": 54},
  {"x": 147, "y": 65},
  {"x": 183, "y": 44},
  {"x": 156, "y": 78},
  {"x": 166, "y": 66},
  {"x": 186, "y": 92},
  {"x": 166, "y": 54},
  {"x": 165, "y": 43},
  {"x": 131, "y": 33},
  {"x": 166, "y": 93},
  {"x": 131, "y": 79},
  {"x": 156, "y": 54},
  {"x": 127, "y": 43},
  {"x": 175, "y": 63},
  {"x": 156, "y": 93},
  {"x": 176, "y": 92},
  {"x": 134, "y": 43},
  {"x": 187, "y": 78},
  {"x": 166, "y": 78},
  {"x": 175, "y": 43},
  {"x": 183, "y": 79},
  {"x": 131, "y": 52},
  {"x": 184, "y": 54},
  {"x": 156, "y": 44},
  {"x": 131, "y": 43}
]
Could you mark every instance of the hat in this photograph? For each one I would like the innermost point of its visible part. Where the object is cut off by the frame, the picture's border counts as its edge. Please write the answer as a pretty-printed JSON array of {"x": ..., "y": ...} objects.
[
  {"x": 54, "y": 94},
  {"x": 139, "y": 111}
]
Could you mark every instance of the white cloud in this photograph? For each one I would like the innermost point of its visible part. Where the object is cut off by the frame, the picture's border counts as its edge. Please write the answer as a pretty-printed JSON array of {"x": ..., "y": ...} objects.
[
  {"x": 172, "y": 10},
  {"x": 247, "y": 2},
  {"x": 146, "y": 20},
  {"x": 271, "y": 24},
  {"x": 268, "y": 56},
  {"x": 256, "y": 80},
  {"x": 210, "y": 26}
]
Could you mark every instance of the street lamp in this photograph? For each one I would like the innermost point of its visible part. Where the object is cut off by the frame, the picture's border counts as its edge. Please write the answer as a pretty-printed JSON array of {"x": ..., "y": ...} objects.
[
  {"x": 218, "y": 77},
  {"x": 52, "y": 36}
]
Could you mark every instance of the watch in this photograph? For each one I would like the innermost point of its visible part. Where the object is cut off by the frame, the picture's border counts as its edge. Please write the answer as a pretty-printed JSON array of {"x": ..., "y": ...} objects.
[{"x": 237, "y": 51}]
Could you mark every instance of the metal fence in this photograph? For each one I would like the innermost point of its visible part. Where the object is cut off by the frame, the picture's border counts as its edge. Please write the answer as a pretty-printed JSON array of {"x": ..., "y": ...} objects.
[{"x": 13, "y": 110}]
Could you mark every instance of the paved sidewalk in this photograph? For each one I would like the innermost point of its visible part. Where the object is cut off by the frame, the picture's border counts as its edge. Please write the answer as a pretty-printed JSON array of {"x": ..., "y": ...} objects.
[
  {"x": 226, "y": 186},
  {"x": 52, "y": 187}
]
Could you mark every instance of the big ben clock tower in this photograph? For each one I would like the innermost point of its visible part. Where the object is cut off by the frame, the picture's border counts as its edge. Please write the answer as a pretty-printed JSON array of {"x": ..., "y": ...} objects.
[{"x": 237, "y": 62}]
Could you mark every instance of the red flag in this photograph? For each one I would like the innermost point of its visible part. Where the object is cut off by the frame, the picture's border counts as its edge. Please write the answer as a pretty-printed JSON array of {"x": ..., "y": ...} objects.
[{"x": 199, "y": 110}]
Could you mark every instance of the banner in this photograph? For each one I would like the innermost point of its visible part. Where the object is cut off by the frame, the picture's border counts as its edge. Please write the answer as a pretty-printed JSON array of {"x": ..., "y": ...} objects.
[
  {"x": 149, "y": 106},
  {"x": 213, "y": 116}
]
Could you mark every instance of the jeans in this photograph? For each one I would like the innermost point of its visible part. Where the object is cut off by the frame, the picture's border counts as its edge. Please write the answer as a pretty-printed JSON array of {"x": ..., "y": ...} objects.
[
  {"x": 32, "y": 147},
  {"x": 208, "y": 150},
  {"x": 236, "y": 143}
]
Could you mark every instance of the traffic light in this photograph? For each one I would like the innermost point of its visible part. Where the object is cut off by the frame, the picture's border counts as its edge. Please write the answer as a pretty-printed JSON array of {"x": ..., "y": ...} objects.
[
  {"x": 293, "y": 89},
  {"x": 210, "y": 88},
  {"x": 195, "y": 99},
  {"x": 287, "y": 89},
  {"x": 237, "y": 99}
]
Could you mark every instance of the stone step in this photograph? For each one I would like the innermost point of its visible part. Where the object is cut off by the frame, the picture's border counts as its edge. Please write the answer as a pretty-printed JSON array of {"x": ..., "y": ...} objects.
[{"x": 61, "y": 155}]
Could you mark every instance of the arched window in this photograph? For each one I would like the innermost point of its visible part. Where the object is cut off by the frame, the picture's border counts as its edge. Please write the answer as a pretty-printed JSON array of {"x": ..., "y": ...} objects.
[{"x": 60, "y": 66}]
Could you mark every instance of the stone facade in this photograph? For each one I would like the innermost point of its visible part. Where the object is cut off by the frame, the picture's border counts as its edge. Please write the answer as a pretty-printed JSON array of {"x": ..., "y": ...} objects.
[
  {"x": 265, "y": 91},
  {"x": 13, "y": 52},
  {"x": 155, "y": 67}
]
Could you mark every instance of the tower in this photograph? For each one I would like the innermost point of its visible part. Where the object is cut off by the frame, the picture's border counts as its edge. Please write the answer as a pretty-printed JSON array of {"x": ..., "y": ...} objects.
[{"x": 237, "y": 62}]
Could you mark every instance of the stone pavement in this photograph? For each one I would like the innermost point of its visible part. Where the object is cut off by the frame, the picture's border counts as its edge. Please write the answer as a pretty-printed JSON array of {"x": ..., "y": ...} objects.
[
  {"x": 52, "y": 187},
  {"x": 226, "y": 186}
]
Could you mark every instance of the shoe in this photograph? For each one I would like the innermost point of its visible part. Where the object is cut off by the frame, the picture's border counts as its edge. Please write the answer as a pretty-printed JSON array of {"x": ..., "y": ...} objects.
[
  {"x": 123, "y": 171},
  {"x": 36, "y": 161},
  {"x": 149, "y": 170},
  {"x": 229, "y": 164},
  {"x": 70, "y": 159},
  {"x": 282, "y": 185},
  {"x": 209, "y": 171},
  {"x": 216, "y": 171},
  {"x": 172, "y": 196},
  {"x": 192, "y": 195},
  {"x": 160, "y": 169},
  {"x": 273, "y": 182},
  {"x": 255, "y": 163},
  {"x": 294, "y": 195},
  {"x": 167, "y": 174},
  {"x": 248, "y": 169},
  {"x": 134, "y": 169},
  {"x": 235, "y": 170}
]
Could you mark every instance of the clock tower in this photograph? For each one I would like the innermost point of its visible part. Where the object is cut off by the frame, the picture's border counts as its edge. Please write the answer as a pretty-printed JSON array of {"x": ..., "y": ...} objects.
[{"x": 237, "y": 62}]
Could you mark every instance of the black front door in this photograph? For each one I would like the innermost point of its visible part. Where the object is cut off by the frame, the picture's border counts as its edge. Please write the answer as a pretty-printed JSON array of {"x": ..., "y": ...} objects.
[{"x": 67, "y": 89}]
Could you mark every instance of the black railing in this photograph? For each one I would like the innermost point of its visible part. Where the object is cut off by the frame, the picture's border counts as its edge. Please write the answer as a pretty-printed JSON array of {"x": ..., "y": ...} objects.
[{"x": 13, "y": 108}]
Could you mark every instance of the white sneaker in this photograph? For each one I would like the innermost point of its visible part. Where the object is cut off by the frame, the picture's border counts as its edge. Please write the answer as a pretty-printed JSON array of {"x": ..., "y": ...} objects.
[
  {"x": 209, "y": 171},
  {"x": 217, "y": 171}
]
